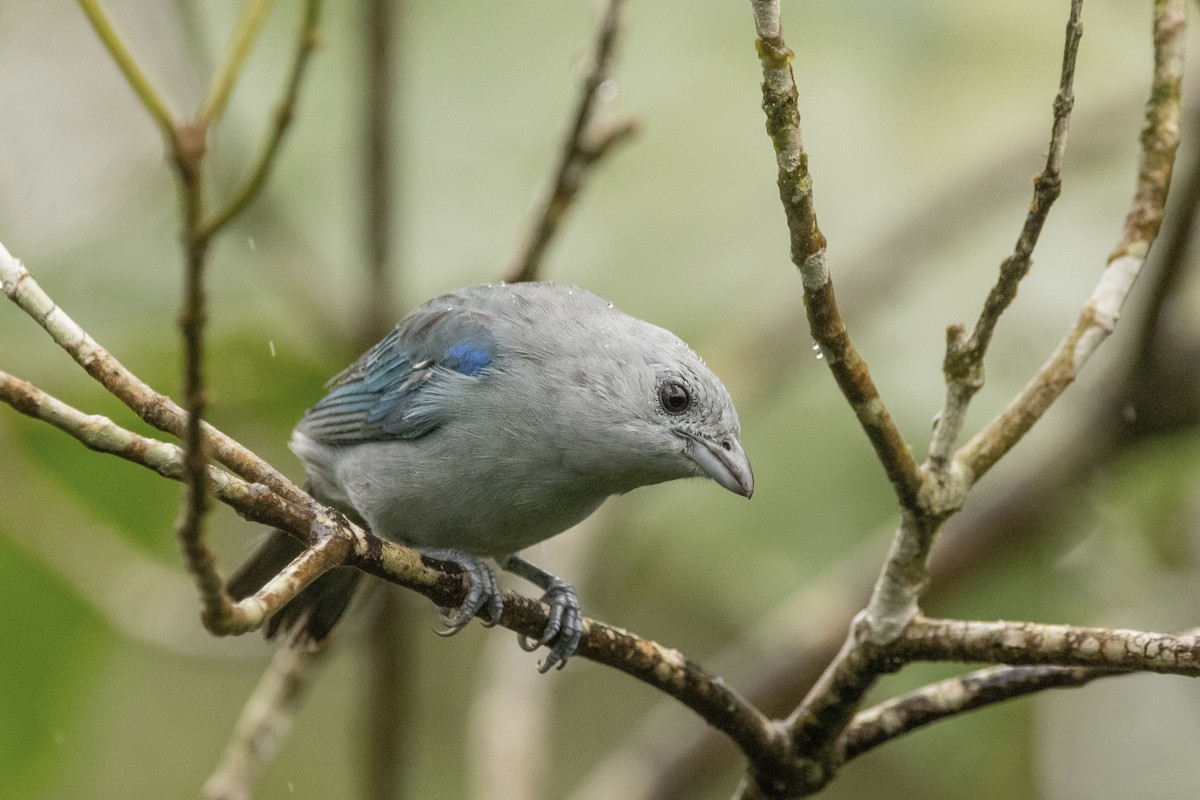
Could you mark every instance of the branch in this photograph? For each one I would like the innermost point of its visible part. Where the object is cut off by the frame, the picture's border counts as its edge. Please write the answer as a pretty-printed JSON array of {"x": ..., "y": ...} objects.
[
  {"x": 1159, "y": 139},
  {"x": 939, "y": 701},
  {"x": 246, "y": 30},
  {"x": 252, "y": 186},
  {"x": 377, "y": 177},
  {"x": 963, "y": 365},
  {"x": 149, "y": 96},
  {"x": 953, "y": 696},
  {"x": 156, "y": 409},
  {"x": 221, "y": 615},
  {"x": 871, "y": 648},
  {"x": 905, "y": 573},
  {"x": 808, "y": 254},
  {"x": 927, "y": 639},
  {"x": 581, "y": 149}
]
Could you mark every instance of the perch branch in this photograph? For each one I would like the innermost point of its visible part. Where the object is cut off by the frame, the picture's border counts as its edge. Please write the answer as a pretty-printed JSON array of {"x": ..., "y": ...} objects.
[{"x": 332, "y": 540}]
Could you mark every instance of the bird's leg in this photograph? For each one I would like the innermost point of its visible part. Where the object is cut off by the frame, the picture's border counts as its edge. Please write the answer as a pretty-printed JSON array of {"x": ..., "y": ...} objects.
[
  {"x": 482, "y": 591},
  {"x": 564, "y": 628}
]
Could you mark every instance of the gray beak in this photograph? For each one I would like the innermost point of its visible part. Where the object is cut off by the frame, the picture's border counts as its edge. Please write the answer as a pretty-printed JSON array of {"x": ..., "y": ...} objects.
[{"x": 724, "y": 461}]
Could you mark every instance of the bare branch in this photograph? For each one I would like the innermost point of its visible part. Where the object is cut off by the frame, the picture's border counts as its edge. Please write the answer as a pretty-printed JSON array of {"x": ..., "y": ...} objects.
[
  {"x": 927, "y": 639},
  {"x": 581, "y": 148},
  {"x": 808, "y": 254},
  {"x": 156, "y": 409},
  {"x": 963, "y": 366},
  {"x": 939, "y": 701},
  {"x": 249, "y": 23},
  {"x": 1160, "y": 139},
  {"x": 150, "y": 97},
  {"x": 252, "y": 186},
  {"x": 221, "y": 615}
]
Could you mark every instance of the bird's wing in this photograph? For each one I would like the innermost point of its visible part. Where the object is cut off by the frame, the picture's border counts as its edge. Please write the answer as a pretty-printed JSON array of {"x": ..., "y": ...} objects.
[{"x": 406, "y": 385}]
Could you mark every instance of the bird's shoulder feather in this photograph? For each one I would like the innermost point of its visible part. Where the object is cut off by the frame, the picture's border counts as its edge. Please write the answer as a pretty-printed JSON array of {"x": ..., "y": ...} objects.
[{"x": 403, "y": 386}]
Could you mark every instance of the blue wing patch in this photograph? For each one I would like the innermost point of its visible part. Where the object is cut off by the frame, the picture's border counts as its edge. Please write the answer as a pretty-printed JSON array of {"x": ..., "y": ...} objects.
[
  {"x": 467, "y": 357},
  {"x": 407, "y": 384}
]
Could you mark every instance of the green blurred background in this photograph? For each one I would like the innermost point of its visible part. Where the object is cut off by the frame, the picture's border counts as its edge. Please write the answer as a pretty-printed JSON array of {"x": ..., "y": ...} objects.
[{"x": 925, "y": 122}]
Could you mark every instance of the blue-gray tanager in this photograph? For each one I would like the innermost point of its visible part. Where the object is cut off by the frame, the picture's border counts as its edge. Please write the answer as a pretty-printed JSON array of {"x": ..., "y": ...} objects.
[{"x": 490, "y": 419}]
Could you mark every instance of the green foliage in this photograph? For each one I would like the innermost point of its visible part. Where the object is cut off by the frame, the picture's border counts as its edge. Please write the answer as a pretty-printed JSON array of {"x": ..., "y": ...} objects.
[{"x": 52, "y": 647}]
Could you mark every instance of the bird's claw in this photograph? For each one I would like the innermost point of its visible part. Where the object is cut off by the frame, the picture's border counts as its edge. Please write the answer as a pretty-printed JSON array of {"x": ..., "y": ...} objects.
[
  {"x": 564, "y": 626},
  {"x": 483, "y": 595}
]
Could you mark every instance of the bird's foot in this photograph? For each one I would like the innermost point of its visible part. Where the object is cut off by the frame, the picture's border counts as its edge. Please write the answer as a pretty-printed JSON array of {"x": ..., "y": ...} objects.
[
  {"x": 564, "y": 626},
  {"x": 483, "y": 597}
]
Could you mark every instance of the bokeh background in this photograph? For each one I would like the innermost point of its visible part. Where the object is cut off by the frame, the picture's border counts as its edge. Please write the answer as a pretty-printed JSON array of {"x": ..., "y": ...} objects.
[{"x": 925, "y": 121}]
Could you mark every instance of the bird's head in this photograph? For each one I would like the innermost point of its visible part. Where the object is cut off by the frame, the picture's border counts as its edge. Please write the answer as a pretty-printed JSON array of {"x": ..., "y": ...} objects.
[{"x": 653, "y": 409}]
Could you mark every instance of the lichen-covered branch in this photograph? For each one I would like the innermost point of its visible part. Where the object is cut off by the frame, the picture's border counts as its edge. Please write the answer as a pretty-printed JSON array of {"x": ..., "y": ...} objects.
[
  {"x": 582, "y": 147},
  {"x": 876, "y": 641},
  {"x": 1159, "y": 140},
  {"x": 156, "y": 409},
  {"x": 808, "y": 254},
  {"x": 939, "y": 701},
  {"x": 1017, "y": 643},
  {"x": 963, "y": 366}
]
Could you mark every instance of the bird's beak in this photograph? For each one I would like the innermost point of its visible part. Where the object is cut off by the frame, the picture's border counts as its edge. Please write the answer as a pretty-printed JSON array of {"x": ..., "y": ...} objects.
[{"x": 724, "y": 461}]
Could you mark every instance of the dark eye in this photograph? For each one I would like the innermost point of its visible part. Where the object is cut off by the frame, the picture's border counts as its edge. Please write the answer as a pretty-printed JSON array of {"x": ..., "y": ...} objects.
[{"x": 674, "y": 397}]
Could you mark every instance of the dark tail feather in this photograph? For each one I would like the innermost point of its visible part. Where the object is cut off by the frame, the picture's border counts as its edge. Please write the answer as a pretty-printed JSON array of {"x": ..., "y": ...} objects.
[{"x": 309, "y": 617}]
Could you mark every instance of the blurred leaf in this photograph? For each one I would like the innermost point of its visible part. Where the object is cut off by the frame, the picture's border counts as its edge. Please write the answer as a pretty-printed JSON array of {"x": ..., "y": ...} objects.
[
  {"x": 51, "y": 645},
  {"x": 135, "y": 501},
  {"x": 1149, "y": 494}
]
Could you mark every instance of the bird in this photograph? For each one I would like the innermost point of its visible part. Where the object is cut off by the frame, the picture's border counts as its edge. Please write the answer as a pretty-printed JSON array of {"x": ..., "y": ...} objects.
[{"x": 492, "y": 418}]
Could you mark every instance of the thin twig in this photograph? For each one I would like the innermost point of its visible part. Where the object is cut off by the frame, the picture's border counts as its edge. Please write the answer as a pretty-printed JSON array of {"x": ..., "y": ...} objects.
[
  {"x": 905, "y": 572},
  {"x": 150, "y": 97},
  {"x": 307, "y": 41},
  {"x": 963, "y": 365},
  {"x": 808, "y": 254},
  {"x": 1160, "y": 140},
  {"x": 249, "y": 23},
  {"x": 580, "y": 149}
]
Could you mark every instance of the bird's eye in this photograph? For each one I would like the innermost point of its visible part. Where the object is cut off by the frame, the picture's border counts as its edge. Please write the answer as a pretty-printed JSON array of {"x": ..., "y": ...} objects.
[{"x": 674, "y": 397}]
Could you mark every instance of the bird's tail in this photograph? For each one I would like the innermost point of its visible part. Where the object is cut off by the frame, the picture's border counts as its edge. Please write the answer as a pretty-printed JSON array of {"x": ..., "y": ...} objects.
[{"x": 311, "y": 615}]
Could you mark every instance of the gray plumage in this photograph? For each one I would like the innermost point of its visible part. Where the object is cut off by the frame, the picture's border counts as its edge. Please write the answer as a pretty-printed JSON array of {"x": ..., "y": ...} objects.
[{"x": 497, "y": 416}]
